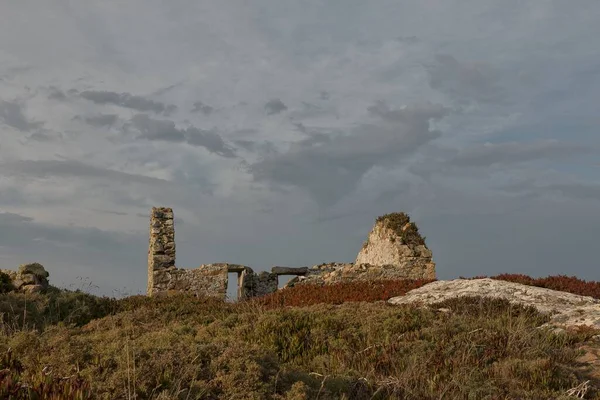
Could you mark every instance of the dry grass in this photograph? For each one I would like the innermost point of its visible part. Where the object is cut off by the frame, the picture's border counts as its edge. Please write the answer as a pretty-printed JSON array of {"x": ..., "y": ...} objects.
[{"x": 76, "y": 346}]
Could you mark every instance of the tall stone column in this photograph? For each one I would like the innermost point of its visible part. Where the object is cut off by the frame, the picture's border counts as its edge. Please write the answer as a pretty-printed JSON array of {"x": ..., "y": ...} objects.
[{"x": 161, "y": 250}]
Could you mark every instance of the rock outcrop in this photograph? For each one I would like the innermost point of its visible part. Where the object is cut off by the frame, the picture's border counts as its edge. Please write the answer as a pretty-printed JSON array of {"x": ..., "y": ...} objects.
[
  {"x": 30, "y": 278},
  {"x": 396, "y": 241},
  {"x": 565, "y": 309}
]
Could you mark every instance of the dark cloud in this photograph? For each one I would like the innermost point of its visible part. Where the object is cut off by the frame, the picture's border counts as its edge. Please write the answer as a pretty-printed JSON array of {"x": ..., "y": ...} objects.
[
  {"x": 109, "y": 212},
  {"x": 127, "y": 100},
  {"x": 56, "y": 94},
  {"x": 309, "y": 110},
  {"x": 201, "y": 107},
  {"x": 101, "y": 120},
  {"x": 329, "y": 166},
  {"x": 324, "y": 95},
  {"x": 260, "y": 147},
  {"x": 576, "y": 190},
  {"x": 153, "y": 129},
  {"x": 64, "y": 249},
  {"x": 465, "y": 81},
  {"x": 275, "y": 106},
  {"x": 21, "y": 231},
  {"x": 72, "y": 168},
  {"x": 511, "y": 152},
  {"x": 7, "y": 218},
  {"x": 12, "y": 115},
  {"x": 419, "y": 114},
  {"x": 407, "y": 39}
]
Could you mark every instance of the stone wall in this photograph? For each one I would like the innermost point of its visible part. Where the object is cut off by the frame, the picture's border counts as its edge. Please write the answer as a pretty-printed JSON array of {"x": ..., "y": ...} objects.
[
  {"x": 255, "y": 285},
  {"x": 207, "y": 280},
  {"x": 161, "y": 249},
  {"x": 394, "y": 250}
]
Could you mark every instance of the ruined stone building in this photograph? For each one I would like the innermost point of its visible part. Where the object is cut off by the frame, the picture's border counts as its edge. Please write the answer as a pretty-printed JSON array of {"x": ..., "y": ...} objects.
[{"x": 393, "y": 250}]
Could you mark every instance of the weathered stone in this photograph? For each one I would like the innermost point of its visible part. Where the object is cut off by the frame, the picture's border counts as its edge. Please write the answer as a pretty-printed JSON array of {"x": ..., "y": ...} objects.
[
  {"x": 161, "y": 246},
  {"x": 289, "y": 271},
  {"x": 29, "y": 278},
  {"x": 395, "y": 241},
  {"x": 254, "y": 285},
  {"x": 565, "y": 309},
  {"x": 236, "y": 268}
]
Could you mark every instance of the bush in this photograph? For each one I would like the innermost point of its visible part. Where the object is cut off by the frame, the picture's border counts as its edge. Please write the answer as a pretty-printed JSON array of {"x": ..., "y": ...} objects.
[{"x": 5, "y": 283}]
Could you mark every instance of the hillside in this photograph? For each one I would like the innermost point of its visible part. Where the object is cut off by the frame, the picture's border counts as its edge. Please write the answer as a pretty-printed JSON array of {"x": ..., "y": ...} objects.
[{"x": 341, "y": 341}]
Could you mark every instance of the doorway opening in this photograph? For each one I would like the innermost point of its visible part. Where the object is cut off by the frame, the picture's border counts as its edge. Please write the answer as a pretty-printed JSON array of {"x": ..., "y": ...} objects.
[
  {"x": 232, "y": 286},
  {"x": 282, "y": 280}
]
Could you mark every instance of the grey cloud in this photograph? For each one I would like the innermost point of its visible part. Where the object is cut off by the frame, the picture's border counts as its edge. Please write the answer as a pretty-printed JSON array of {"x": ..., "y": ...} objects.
[
  {"x": 262, "y": 148},
  {"x": 329, "y": 166},
  {"x": 71, "y": 168},
  {"x": 56, "y": 94},
  {"x": 19, "y": 230},
  {"x": 511, "y": 152},
  {"x": 153, "y": 129},
  {"x": 201, "y": 107},
  {"x": 246, "y": 144},
  {"x": 101, "y": 120},
  {"x": 11, "y": 218},
  {"x": 209, "y": 140},
  {"x": 576, "y": 190},
  {"x": 127, "y": 100},
  {"x": 12, "y": 115},
  {"x": 465, "y": 81},
  {"x": 275, "y": 106},
  {"x": 167, "y": 89},
  {"x": 301, "y": 127},
  {"x": 324, "y": 95},
  {"x": 309, "y": 110},
  {"x": 407, "y": 39},
  {"x": 109, "y": 212},
  {"x": 420, "y": 114},
  {"x": 46, "y": 243}
]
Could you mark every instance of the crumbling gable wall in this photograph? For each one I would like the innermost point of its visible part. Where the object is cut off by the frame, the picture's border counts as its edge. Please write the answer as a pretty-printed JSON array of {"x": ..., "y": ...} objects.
[{"x": 396, "y": 241}]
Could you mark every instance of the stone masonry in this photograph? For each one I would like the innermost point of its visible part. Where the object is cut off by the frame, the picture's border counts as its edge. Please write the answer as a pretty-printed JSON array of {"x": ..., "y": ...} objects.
[
  {"x": 396, "y": 241},
  {"x": 161, "y": 250},
  {"x": 394, "y": 250}
]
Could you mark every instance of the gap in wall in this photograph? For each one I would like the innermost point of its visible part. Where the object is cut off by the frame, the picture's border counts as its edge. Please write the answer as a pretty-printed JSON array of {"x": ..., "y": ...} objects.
[
  {"x": 232, "y": 286},
  {"x": 284, "y": 279}
]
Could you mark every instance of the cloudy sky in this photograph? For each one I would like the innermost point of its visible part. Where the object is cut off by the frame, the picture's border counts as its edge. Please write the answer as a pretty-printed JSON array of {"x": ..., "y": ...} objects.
[{"x": 279, "y": 130}]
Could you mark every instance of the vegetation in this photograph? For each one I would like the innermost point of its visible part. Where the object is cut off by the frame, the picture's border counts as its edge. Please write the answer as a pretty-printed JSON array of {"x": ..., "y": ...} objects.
[
  {"x": 300, "y": 344},
  {"x": 400, "y": 224},
  {"x": 5, "y": 282}
]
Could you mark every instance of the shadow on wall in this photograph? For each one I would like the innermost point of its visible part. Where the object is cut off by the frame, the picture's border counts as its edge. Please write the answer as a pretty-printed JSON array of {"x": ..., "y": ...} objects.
[{"x": 393, "y": 250}]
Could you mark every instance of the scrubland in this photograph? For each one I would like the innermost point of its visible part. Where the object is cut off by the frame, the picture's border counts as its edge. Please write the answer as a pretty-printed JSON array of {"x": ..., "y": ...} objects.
[{"x": 340, "y": 341}]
